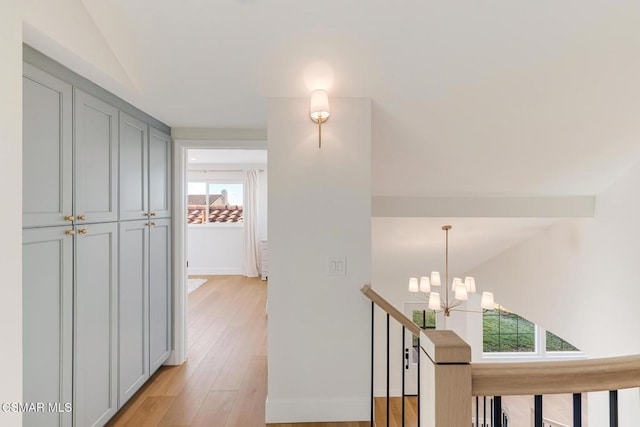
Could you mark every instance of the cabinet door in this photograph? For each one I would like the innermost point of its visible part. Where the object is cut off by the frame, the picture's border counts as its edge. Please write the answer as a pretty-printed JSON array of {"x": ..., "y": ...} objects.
[
  {"x": 133, "y": 308},
  {"x": 159, "y": 173},
  {"x": 96, "y": 369},
  {"x": 160, "y": 292},
  {"x": 46, "y": 149},
  {"x": 96, "y": 160},
  {"x": 133, "y": 168},
  {"x": 47, "y": 299}
]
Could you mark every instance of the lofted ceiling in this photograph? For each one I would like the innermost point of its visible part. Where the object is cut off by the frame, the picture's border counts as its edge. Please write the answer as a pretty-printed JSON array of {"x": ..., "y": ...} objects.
[{"x": 492, "y": 97}]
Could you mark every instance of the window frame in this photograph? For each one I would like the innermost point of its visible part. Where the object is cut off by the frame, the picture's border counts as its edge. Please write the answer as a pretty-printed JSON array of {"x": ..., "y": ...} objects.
[
  {"x": 215, "y": 181},
  {"x": 540, "y": 349}
]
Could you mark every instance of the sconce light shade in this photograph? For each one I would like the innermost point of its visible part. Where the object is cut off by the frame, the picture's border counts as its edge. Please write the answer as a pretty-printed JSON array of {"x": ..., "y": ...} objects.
[
  {"x": 435, "y": 278},
  {"x": 319, "y": 108},
  {"x": 424, "y": 285},
  {"x": 456, "y": 281},
  {"x": 434, "y": 301},
  {"x": 413, "y": 285},
  {"x": 487, "y": 301}
]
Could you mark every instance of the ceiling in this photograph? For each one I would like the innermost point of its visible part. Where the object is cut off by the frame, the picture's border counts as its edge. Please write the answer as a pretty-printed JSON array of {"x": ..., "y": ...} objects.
[{"x": 469, "y": 98}]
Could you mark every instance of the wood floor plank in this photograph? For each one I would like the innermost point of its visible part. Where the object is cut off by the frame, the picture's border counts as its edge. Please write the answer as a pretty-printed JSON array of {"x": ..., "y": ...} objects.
[
  {"x": 188, "y": 401},
  {"x": 215, "y": 409},
  {"x": 150, "y": 412},
  {"x": 249, "y": 405}
]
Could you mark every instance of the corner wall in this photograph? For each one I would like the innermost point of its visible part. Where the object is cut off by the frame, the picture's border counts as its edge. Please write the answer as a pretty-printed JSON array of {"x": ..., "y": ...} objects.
[
  {"x": 319, "y": 207},
  {"x": 11, "y": 212}
]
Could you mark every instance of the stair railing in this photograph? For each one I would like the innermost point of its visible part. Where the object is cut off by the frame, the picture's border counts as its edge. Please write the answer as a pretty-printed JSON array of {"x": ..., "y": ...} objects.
[
  {"x": 407, "y": 326},
  {"x": 447, "y": 380}
]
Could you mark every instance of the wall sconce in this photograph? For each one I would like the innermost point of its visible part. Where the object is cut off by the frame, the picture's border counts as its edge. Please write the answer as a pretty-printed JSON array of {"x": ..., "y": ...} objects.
[{"x": 319, "y": 110}]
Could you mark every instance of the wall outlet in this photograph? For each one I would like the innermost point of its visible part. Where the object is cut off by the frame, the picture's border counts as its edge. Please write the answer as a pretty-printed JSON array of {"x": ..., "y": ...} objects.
[{"x": 337, "y": 266}]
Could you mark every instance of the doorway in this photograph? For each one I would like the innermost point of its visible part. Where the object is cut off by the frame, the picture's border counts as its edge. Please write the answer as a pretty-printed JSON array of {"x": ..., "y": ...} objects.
[{"x": 184, "y": 151}]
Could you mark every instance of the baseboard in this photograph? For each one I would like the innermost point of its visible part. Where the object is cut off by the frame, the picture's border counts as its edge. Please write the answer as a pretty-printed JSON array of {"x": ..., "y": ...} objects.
[
  {"x": 317, "y": 410},
  {"x": 215, "y": 271}
]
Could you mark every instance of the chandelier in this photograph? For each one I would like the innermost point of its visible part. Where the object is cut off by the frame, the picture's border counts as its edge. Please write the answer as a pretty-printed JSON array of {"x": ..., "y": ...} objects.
[{"x": 461, "y": 289}]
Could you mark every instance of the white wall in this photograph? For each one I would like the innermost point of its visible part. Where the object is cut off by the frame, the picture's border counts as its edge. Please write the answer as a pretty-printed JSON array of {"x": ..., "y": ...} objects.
[
  {"x": 319, "y": 207},
  {"x": 11, "y": 212},
  {"x": 581, "y": 278},
  {"x": 215, "y": 249}
]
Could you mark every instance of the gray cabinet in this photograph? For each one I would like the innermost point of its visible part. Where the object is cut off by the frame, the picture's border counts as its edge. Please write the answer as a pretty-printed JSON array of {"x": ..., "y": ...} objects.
[
  {"x": 96, "y": 309},
  {"x": 144, "y": 302},
  {"x": 133, "y": 303},
  {"x": 47, "y": 293},
  {"x": 160, "y": 292},
  {"x": 96, "y": 159},
  {"x": 145, "y": 171},
  {"x": 133, "y": 168},
  {"x": 96, "y": 282},
  {"x": 46, "y": 149},
  {"x": 159, "y": 173}
]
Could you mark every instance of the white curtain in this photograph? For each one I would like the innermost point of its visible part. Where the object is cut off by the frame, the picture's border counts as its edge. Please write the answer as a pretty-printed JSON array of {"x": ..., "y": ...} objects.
[{"x": 250, "y": 213}]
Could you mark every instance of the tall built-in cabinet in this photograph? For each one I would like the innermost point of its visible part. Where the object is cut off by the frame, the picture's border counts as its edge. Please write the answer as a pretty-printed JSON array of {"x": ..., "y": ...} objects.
[
  {"x": 97, "y": 247},
  {"x": 145, "y": 249}
]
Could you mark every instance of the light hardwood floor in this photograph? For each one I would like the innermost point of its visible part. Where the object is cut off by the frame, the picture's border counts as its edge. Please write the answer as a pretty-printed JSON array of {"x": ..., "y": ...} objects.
[
  {"x": 224, "y": 381},
  {"x": 395, "y": 412}
]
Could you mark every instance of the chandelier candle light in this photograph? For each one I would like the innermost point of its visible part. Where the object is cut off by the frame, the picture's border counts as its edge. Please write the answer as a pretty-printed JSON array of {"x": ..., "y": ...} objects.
[{"x": 461, "y": 289}]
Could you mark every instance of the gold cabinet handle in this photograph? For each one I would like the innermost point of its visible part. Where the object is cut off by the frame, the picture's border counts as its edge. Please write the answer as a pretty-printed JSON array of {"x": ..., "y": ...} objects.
[
  {"x": 69, "y": 218},
  {"x": 82, "y": 231},
  {"x": 151, "y": 224},
  {"x": 152, "y": 214},
  {"x": 147, "y": 214},
  {"x": 81, "y": 217},
  {"x": 69, "y": 232}
]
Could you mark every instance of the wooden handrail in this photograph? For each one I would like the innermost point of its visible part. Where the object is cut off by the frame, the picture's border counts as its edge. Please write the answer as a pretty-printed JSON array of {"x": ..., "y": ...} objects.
[
  {"x": 393, "y": 312},
  {"x": 574, "y": 376}
]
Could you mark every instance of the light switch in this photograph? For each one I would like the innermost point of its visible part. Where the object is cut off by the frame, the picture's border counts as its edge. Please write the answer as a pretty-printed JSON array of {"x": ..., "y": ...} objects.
[{"x": 337, "y": 267}]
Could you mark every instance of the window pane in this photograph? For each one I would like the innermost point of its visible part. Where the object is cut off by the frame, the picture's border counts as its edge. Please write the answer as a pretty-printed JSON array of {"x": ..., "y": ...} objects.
[
  {"x": 196, "y": 188},
  {"x": 525, "y": 326},
  {"x": 555, "y": 343},
  {"x": 526, "y": 342},
  {"x": 196, "y": 202},
  {"x": 491, "y": 343},
  {"x": 225, "y": 194},
  {"x": 424, "y": 319},
  {"x": 505, "y": 331},
  {"x": 225, "y": 202}
]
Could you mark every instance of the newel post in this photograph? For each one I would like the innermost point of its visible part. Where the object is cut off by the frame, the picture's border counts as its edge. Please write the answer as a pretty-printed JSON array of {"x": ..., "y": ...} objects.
[{"x": 445, "y": 383}]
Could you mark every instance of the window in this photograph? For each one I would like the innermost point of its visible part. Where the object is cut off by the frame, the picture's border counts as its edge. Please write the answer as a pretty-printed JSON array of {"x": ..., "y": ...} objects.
[
  {"x": 555, "y": 343},
  {"x": 506, "y": 333},
  {"x": 214, "y": 202},
  {"x": 424, "y": 319}
]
